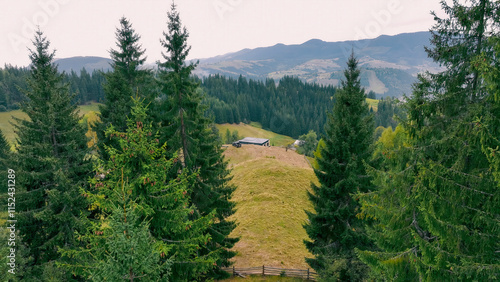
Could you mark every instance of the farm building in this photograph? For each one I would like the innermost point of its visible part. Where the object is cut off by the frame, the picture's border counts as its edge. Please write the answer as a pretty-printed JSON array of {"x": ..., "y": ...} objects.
[{"x": 255, "y": 141}]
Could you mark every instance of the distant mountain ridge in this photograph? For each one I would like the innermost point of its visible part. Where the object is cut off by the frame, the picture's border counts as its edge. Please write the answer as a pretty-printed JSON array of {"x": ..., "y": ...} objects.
[
  {"x": 389, "y": 63},
  {"x": 76, "y": 64}
]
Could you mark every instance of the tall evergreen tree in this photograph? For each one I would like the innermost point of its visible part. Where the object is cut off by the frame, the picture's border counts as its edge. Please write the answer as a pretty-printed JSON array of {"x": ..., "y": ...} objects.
[
  {"x": 392, "y": 208},
  {"x": 50, "y": 163},
  {"x": 162, "y": 200},
  {"x": 446, "y": 217},
  {"x": 333, "y": 228},
  {"x": 186, "y": 128},
  {"x": 126, "y": 80},
  {"x": 119, "y": 246},
  {"x": 4, "y": 161}
]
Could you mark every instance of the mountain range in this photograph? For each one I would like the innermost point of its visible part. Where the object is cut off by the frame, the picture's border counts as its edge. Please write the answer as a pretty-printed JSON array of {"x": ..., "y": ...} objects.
[
  {"x": 89, "y": 63},
  {"x": 389, "y": 64}
]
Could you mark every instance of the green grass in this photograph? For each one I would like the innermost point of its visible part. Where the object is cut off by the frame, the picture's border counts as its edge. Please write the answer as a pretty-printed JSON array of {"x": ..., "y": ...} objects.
[
  {"x": 6, "y": 126},
  {"x": 8, "y": 129},
  {"x": 270, "y": 201},
  {"x": 84, "y": 109},
  {"x": 255, "y": 130},
  {"x": 256, "y": 124},
  {"x": 372, "y": 103}
]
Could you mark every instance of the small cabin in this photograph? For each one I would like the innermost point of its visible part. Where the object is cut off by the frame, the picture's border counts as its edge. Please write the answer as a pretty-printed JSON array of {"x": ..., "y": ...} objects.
[{"x": 254, "y": 141}]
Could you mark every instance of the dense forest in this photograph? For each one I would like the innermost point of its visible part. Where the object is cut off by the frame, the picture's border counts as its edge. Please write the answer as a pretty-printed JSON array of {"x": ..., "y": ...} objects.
[
  {"x": 86, "y": 86},
  {"x": 289, "y": 106}
]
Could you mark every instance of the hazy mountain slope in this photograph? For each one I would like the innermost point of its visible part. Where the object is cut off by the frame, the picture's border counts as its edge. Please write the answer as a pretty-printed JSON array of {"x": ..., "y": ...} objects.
[
  {"x": 77, "y": 63},
  {"x": 401, "y": 57},
  {"x": 389, "y": 63}
]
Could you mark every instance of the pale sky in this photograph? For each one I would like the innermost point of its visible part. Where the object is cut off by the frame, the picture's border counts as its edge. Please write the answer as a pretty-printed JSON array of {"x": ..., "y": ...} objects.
[{"x": 216, "y": 27}]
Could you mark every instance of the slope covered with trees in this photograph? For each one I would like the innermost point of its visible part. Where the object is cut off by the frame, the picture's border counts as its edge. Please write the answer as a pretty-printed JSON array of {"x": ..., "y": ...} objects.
[{"x": 291, "y": 108}]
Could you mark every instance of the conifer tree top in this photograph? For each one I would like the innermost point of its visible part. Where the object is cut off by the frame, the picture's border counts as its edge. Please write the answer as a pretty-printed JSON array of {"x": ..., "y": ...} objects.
[
  {"x": 41, "y": 55},
  {"x": 129, "y": 54},
  {"x": 175, "y": 42}
]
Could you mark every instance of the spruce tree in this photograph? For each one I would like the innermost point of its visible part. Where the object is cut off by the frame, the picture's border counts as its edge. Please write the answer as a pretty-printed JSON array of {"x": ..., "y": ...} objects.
[
  {"x": 185, "y": 127},
  {"x": 4, "y": 163},
  {"x": 129, "y": 252},
  {"x": 50, "y": 163},
  {"x": 392, "y": 208},
  {"x": 333, "y": 229},
  {"x": 443, "y": 211},
  {"x": 126, "y": 80},
  {"x": 162, "y": 200},
  {"x": 119, "y": 246}
]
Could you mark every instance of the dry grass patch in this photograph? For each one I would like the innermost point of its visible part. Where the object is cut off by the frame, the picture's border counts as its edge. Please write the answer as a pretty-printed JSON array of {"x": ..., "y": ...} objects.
[
  {"x": 372, "y": 103},
  {"x": 270, "y": 200}
]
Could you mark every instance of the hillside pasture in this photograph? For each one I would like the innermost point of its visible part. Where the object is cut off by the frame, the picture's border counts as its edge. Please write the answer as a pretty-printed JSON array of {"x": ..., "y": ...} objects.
[{"x": 270, "y": 201}]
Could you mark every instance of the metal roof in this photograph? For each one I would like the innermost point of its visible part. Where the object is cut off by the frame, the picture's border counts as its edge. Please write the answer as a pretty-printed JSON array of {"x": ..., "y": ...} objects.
[{"x": 253, "y": 140}]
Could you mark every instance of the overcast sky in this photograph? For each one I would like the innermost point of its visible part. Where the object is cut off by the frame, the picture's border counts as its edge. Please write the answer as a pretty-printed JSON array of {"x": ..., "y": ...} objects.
[{"x": 216, "y": 27}]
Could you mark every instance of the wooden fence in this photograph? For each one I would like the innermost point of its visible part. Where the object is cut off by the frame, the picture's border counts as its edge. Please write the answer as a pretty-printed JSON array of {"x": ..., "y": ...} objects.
[{"x": 273, "y": 271}]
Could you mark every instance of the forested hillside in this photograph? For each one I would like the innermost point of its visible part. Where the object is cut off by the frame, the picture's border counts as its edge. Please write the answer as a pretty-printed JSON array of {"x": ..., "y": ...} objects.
[
  {"x": 288, "y": 106},
  {"x": 291, "y": 108},
  {"x": 87, "y": 86}
]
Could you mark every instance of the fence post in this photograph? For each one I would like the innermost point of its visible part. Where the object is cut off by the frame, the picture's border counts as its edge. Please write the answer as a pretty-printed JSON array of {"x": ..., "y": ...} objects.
[
  {"x": 234, "y": 271},
  {"x": 308, "y": 274},
  {"x": 263, "y": 271}
]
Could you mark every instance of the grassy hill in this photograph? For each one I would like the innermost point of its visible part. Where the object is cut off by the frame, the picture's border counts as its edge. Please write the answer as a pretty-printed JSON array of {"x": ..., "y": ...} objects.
[
  {"x": 255, "y": 130},
  {"x": 8, "y": 129},
  {"x": 372, "y": 103},
  {"x": 270, "y": 201}
]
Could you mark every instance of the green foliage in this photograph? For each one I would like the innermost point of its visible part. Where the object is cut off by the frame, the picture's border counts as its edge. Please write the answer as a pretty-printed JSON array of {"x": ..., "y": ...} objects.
[
  {"x": 388, "y": 112},
  {"x": 86, "y": 86},
  {"x": 185, "y": 127},
  {"x": 333, "y": 228},
  {"x": 126, "y": 80},
  {"x": 22, "y": 255},
  {"x": 436, "y": 209},
  {"x": 310, "y": 143},
  {"x": 292, "y": 108},
  {"x": 162, "y": 201},
  {"x": 317, "y": 153},
  {"x": 235, "y": 136},
  {"x": 120, "y": 246},
  {"x": 50, "y": 164},
  {"x": 12, "y": 81},
  {"x": 4, "y": 164},
  {"x": 391, "y": 208},
  {"x": 231, "y": 137}
]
